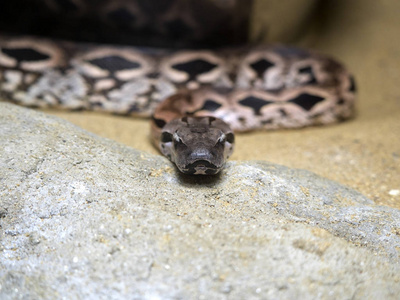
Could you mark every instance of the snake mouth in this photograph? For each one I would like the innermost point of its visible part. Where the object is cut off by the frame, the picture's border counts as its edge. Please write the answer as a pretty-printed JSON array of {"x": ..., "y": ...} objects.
[{"x": 201, "y": 167}]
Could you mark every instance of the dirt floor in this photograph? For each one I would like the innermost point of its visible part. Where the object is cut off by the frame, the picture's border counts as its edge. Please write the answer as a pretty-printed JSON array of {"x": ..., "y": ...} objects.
[{"x": 363, "y": 153}]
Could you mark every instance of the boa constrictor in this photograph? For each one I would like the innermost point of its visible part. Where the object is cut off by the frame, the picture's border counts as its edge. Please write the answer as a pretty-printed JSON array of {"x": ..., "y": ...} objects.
[{"x": 197, "y": 98}]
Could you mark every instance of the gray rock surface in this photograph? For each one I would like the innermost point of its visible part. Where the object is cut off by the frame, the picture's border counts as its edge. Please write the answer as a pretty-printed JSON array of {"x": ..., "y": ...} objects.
[{"x": 85, "y": 217}]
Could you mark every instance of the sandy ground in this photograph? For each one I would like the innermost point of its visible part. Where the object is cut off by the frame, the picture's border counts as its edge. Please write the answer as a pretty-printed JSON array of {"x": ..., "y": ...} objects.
[{"x": 363, "y": 153}]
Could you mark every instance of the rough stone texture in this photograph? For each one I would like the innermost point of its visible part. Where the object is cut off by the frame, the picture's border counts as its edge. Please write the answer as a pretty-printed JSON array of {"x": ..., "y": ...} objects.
[{"x": 85, "y": 217}]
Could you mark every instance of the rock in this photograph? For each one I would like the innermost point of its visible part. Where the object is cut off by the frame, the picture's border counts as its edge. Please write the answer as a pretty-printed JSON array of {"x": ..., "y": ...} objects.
[{"x": 84, "y": 217}]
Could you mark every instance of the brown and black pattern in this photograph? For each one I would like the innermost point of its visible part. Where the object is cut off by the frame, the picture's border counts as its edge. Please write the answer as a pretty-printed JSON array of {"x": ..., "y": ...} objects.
[{"x": 193, "y": 95}]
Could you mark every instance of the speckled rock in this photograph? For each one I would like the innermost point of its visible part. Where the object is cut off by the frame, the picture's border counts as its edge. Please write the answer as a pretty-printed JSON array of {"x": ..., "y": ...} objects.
[{"x": 85, "y": 217}]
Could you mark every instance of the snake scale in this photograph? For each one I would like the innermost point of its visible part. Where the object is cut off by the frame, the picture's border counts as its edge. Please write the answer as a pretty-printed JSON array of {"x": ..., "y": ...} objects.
[{"x": 197, "y": 99}]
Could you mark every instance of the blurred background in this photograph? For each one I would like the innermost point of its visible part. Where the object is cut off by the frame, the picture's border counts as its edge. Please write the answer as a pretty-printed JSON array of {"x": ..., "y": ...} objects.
[{"x": 168, "y": 23}]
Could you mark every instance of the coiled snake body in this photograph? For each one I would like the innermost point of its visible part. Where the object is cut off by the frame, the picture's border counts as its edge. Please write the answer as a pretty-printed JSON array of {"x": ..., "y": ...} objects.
[{"x": 197, "y": 98}]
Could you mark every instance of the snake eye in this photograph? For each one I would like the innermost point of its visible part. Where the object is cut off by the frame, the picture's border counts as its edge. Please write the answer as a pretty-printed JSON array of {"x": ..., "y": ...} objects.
[
  {"x": 166, "y": 137},
  {"x": 230, "y": 138}
]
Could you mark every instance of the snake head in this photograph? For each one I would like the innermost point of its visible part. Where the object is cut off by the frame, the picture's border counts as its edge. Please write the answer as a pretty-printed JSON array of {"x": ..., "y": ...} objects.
[{"x": 197, "y": 145}]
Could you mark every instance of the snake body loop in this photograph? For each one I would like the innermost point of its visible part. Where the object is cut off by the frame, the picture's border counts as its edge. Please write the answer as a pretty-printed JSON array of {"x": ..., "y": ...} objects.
[{"x": 197, "y": 98}]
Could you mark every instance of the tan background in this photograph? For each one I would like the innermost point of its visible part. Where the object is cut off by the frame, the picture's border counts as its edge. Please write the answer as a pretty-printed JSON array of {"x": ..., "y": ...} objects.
[{"x": 363, "y": 153}]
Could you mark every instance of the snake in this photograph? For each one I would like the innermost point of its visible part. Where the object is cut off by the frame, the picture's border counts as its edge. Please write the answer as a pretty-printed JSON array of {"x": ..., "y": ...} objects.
[{"x": 196, "y": 99}]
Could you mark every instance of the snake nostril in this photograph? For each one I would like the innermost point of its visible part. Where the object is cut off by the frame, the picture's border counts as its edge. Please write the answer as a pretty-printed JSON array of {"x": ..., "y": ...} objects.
[{"x": 201, "y": 154}]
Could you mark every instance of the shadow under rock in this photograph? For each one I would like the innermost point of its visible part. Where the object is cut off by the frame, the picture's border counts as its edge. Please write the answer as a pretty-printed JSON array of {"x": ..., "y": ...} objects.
[{"x": 194, "y": 180}]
